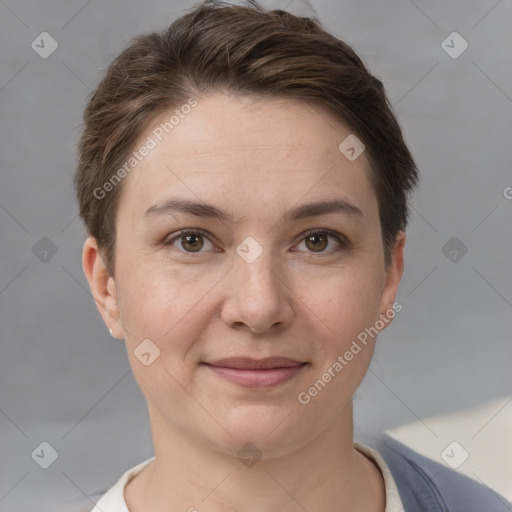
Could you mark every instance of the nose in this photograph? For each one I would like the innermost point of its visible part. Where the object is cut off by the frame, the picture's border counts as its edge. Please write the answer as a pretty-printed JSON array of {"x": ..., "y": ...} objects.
[{"x": 257, "y": 295}]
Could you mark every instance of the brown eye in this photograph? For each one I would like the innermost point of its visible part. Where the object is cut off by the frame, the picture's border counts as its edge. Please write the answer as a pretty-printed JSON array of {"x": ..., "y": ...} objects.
[
  {"x": 317, "y": 242},
  {"x": 192, "y": 243},
  {"x": 323, "y": 242}
]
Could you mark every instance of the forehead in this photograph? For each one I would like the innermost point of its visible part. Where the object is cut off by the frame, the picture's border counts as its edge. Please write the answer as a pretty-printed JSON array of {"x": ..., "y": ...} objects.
[{"x": 249, "y": 152}]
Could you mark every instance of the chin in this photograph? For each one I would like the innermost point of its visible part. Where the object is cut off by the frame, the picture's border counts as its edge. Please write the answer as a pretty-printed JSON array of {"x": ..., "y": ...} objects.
[{"x": 273, "y": 433}]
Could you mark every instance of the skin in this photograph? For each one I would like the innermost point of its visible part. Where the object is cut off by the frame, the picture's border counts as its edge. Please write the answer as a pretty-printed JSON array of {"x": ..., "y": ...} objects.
[{"x": 256, "y": 160}]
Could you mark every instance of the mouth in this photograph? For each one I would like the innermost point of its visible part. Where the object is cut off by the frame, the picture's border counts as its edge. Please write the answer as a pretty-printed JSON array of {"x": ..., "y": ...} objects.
[{"x": 257, "y": 373}]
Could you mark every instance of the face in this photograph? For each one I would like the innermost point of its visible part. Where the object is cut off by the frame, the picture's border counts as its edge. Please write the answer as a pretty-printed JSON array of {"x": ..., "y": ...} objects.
[{"x": 246, "y": 235}]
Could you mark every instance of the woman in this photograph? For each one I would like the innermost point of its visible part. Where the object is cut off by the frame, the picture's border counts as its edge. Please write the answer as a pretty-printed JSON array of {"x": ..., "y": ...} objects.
[{"x": 244, "y": 183}]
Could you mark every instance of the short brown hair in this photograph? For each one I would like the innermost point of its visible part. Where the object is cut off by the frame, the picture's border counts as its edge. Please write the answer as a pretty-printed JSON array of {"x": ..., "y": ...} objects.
[{"x": 218, "y": 47}]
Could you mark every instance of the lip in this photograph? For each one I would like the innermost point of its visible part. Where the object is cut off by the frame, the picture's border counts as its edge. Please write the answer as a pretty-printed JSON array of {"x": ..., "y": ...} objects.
[
  {"x": 248, "y": 363},
  {"x": 257, "y": 373}
]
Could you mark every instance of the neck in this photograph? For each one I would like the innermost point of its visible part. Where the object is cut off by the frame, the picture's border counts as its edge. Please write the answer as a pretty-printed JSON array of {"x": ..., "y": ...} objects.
[{"x": 326, "y": 474}]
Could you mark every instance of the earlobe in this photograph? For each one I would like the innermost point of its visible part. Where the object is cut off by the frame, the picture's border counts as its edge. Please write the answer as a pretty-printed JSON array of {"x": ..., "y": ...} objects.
[{"x": 102, "y": 286}]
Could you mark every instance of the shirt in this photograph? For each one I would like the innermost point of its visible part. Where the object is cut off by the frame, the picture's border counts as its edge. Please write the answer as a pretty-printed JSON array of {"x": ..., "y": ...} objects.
[
  {"x": 428, "y": 486},
  {"x": 413, "y": 483}
]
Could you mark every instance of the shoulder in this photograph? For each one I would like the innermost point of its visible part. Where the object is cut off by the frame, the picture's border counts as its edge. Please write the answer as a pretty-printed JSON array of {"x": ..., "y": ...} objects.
[{"x": 428, "y": 486}]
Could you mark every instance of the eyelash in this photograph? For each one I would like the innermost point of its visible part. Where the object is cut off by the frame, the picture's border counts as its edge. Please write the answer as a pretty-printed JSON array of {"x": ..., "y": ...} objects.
[{"x": 341, "y": 239}]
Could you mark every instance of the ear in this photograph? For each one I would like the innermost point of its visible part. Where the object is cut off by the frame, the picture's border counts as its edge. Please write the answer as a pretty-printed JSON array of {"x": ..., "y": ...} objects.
[
  {"x": 102, "y": 285},
  {"x": 393, "y": 276}
]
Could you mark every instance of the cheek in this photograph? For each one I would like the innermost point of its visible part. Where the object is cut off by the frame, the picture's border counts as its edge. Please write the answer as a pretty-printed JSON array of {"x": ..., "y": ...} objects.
[
  {"x": 347, "y": 309},
  {"x": 344, "y": 301},
  {"x": 162, "y": 304},
  {"x": 167, "y": 308}
]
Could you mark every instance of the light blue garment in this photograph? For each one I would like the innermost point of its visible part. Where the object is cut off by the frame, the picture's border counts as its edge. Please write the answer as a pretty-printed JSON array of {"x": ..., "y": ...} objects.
[{"x": 427, "y": 486}]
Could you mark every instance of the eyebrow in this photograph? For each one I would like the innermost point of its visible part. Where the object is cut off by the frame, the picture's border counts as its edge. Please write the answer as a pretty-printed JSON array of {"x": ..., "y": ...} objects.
[{"x": 300, "y": 212}]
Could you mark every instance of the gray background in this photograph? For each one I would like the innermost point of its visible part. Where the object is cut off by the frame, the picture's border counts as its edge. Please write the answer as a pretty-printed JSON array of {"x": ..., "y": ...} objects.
[{"x": 66, "y": 382}]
